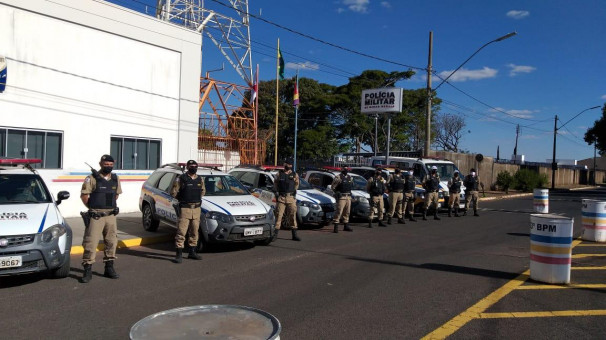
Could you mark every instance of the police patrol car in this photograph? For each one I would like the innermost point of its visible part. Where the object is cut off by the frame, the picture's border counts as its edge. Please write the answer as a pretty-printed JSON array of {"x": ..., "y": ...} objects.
[
  {"x": 229, "y": 212},
  {"x": 322, "y": 178},
  {"x": 34, "y": 237},
  {"x": 313, "y": 206}
]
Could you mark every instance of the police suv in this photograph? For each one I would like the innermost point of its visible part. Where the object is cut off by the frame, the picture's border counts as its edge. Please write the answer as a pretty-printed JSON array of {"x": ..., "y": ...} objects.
[
  {"x": 313, "y": 206},
  {"x": 229, "y": 212},
  {"x": 321, "y": 179},
  {"x": 34, "y": 237}
]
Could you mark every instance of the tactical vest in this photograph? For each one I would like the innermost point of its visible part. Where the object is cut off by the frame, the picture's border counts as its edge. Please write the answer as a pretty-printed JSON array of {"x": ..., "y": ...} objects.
[
  {"x": 410, "y": 184},
  {"x": 377, "y": 188},
  {"x": 456, "y": 185},
  {"x": 104, "y": 195},
  {"x": 345, "y": 185},
  {"x": 190, "y": 190},
  {"x": 286, "y": 183},
  {"x": 472, "y": 183},
  {"x": 433, "y": 184},
  {"x": 397, "y": 184}
]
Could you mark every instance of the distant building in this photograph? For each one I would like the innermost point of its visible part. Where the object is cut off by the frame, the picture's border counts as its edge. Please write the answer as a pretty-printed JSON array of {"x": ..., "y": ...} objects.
[{"x": 600, "y": 163}]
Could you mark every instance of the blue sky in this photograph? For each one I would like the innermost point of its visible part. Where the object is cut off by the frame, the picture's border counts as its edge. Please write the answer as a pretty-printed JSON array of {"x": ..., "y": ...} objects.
[{"x": 555, "y": 65}]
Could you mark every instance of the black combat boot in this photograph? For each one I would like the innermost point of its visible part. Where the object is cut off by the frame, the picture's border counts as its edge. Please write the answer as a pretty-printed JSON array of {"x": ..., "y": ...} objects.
[
  {"x": 193, "y": 255},
  {"x": 456, "y": 211},
  {"x": 276, "y": 233},
  {"x": 465, "y": 212},
  {"x": 179, "y": 256},
  {"x": 346, "y": 227},
  {"x": 381, "y": 224},
  {"x": 389, "y": 220},
  {"x": 435, "y": 214},
  {"x": 336, "y": 228},
  {"x": 370, "y": 222},
  {"x": 294, "y": 235},
  {"x": 475, "y": 213},
  {"x": 424, "y": 214},
  {"x": 109, "y": 270},
  {"x": 412, "y": 217},
  {"x": 88, "y": 273},
  {"x": 449, "y": 212},
  {"x": 401, "y": 221}
]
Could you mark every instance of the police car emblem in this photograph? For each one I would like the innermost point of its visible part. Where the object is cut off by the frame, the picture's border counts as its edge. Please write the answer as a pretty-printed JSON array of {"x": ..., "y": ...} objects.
[
  {"x": 252, "y": 218},
  {"x": 3, "y": 242}
]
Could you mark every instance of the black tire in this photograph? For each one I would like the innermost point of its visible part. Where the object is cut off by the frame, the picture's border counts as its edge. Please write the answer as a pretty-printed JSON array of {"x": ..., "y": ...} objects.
[
  {"x": 150, "y": 223},
  {"x": 63, "y": 271}
]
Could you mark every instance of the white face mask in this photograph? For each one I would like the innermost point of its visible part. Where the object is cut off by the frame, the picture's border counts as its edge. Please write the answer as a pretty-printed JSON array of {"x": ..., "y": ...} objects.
[
  {"x": 473, "y": 174},
  {"x": 411, "y": 173}
]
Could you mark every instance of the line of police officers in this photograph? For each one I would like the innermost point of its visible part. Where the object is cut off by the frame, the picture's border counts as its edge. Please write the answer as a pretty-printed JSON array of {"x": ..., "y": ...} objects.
[{"x": 101, "y": 189}]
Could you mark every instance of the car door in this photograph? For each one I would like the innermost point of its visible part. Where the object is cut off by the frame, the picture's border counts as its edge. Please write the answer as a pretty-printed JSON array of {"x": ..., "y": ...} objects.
[{"x": 165, "y": 203}]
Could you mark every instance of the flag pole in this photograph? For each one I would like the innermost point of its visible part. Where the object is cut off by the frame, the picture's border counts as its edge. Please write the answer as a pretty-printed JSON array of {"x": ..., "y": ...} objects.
[
  {"x": 296, "y": 118},
  {"x": 276, "y": 122}
]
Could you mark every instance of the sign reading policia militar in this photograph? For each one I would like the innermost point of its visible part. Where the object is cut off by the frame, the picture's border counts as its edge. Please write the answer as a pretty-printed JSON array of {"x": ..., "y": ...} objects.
[{"x": 388, "y": 99}]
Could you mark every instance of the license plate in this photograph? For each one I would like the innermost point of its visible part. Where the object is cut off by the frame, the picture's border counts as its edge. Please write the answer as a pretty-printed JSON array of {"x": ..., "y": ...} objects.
[
  {"x": 253, "y": 231},
  {"x": 10, "y": 261}
]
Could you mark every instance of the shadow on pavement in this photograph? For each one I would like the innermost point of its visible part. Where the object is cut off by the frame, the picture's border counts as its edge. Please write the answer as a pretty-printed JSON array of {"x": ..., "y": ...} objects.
[{"x": 519, "y": 234}]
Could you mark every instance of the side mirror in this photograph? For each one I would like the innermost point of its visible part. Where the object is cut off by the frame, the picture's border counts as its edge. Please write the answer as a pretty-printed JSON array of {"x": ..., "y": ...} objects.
[{"x": 62, "y": 195}]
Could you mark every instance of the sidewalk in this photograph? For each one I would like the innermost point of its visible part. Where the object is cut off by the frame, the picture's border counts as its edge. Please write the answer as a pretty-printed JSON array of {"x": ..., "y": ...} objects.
[{"x": 130, "y": 233}]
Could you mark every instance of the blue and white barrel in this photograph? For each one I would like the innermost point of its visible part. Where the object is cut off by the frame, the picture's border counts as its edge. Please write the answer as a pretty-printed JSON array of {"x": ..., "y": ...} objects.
[
  {"x": 550, "y": 248},
  {"x": 594, "y": 220},
  {"x": 541, "y": 201}
]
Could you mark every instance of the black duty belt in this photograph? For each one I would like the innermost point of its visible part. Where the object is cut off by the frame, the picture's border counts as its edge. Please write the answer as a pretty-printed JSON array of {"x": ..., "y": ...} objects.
[
  {"x": 190, "y": 205},
  {"x": 410, "y": 192},
  {"x": 345, "y": 194},
  {"x": 433, "y": 190},
  {"x": 286, "y": 194},
  {"x": 381, "y": 195},
  {"x": 97, "y": 215},
  {"x": 398, "y": 191}
]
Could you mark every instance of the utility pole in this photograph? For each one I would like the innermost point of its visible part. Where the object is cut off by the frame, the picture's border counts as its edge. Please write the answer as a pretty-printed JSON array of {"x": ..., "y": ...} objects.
[
  {"x": 429, "y": 99},
  {"x": 554, "y": 164},
  {"x": 595, "y": 142},
  {"x": 515, "y": 149}
]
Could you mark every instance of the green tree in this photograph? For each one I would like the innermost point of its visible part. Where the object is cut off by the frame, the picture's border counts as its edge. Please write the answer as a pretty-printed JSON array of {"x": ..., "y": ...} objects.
[{"x": 597, "y": 133}]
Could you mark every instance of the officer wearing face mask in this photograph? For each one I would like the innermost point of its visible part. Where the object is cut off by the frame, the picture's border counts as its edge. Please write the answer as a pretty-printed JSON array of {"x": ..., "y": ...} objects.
[
  {"x": 432, "y": 186},
  {"x": 188, "y": 189},
  {"x": 472, "y": 184},
  {"x": 342, "y": 185},
  {"x": 286, "y": 185},
  {"x": 409, "y": 194},
  {"x": 99, "y": 193}
]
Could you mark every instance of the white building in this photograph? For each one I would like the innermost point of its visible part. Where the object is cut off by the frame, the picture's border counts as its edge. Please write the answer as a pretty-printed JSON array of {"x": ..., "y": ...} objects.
[{"x": 87, "y": 78}]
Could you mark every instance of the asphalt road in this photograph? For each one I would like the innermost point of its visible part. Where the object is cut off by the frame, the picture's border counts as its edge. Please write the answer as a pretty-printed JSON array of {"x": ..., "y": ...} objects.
[{"x": 398, "y": 282}]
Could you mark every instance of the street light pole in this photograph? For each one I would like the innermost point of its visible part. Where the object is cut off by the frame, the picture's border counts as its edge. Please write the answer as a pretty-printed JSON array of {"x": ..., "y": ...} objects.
[
  {"x": 429, "y": 89},
  {"x": 554, "y": 164}
]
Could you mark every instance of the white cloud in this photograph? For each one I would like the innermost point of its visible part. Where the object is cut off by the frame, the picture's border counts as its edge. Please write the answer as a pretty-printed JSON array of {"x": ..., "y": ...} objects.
[
  {"x": 302, "y": 66},
  {"x": 360, "y": 6},
  {"x": 516, "y": 113},
  {"x": 516, "y": 69},
  {"x": 530, "y": 136},
  {"x": 465, "y": 74},
  {"x": 340, "y": 10},
  {"x": 518, "y": 14},
  {"x": 385, "y": 4},
  {"x": 603, "y": 97}
]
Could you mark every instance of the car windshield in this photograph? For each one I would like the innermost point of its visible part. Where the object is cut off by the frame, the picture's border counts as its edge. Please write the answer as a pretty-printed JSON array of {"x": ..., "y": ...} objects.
[
  {"x": 445, "y": 170},
  {"x": 359, "y": 183},
  {"x": 304, "y": 185},
  {"x": 16, "y": 189},
  {"x": 223, "y": 185}
]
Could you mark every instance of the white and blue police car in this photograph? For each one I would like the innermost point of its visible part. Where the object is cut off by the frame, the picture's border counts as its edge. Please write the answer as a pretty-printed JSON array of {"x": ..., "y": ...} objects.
[
  {"x": 229, "y": 212},
  {"x": 34, "y": 236}
]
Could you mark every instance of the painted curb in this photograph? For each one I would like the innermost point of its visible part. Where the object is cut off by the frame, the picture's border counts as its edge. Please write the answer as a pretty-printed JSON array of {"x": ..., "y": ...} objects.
[{"x": 133, "y": 242}]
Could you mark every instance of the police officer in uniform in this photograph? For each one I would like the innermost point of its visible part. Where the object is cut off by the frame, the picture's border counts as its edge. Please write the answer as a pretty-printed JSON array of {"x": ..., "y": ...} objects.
[
  {"x": 286, "y": 185},
  {"x": 99, "y": 193},
  {"x": 454, "y": 186},
  {"x": 472, "y": 181},
  {"x": 432, "y": 186},
  {"x": 396, "y": 183},
  {"x": 376, "y": 188},
  {"x": 409, "y": 194},
  {"x": 188, "y": 189},
  {"x": 342, "y": 185}
]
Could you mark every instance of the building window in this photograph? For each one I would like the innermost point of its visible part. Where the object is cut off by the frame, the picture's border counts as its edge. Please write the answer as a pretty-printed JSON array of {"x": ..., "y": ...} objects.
[
  {"x": 41, "y": 144},
  {"x": 134, "y": 153}
]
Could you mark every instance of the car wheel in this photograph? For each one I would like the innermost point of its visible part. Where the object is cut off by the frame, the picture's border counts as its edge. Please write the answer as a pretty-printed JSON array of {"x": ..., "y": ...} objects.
[
  {"x": 63, "y": 271},
  {"x": 150, "y": 223}
]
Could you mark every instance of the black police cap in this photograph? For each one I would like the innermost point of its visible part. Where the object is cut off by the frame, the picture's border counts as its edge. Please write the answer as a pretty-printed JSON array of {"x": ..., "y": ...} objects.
[{"x": 107, "y": 158}]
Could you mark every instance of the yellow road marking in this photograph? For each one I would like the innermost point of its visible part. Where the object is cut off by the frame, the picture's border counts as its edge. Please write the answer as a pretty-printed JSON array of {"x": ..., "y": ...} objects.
[
  {"x": 133, "y": 242},
  {"x": 579, "y": 256},
  {"x": 589, "y": 268},
  {"x": 476, "y": 310},
  {"x": 570, "y": 286},
  {"x": 592, "y": 245},
  {"x": 594, "y": 312}
]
